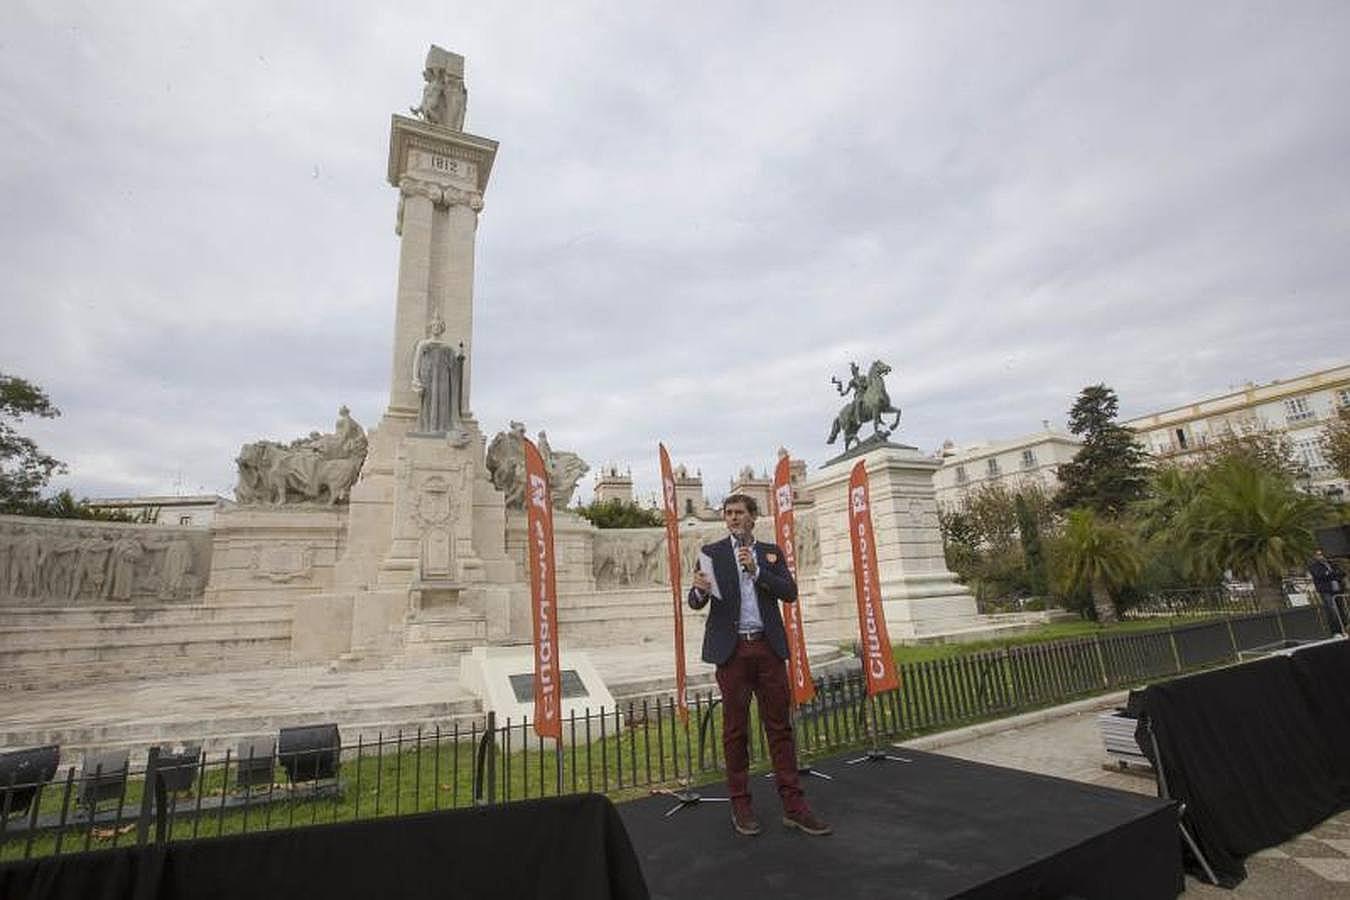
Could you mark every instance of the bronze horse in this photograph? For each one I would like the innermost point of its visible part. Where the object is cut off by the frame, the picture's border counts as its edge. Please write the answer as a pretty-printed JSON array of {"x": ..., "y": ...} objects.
[{"x": 870, "y": 403}]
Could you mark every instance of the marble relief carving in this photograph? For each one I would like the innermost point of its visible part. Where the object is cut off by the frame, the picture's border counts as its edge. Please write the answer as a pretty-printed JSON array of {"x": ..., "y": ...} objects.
[
  {"x": 76, "y": 563},
  {"x": 281, "y": 563}
]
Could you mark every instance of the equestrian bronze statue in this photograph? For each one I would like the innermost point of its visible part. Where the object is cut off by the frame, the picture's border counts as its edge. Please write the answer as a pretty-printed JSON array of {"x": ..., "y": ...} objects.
[{"x": 869, "y": 403}]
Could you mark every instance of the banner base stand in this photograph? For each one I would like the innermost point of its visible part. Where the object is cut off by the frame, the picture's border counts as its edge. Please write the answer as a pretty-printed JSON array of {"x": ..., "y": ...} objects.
[
  {"x": 877, "y": 755},
  {"x": 808, "y": 772},
  {"x": 685, "y": 797}
]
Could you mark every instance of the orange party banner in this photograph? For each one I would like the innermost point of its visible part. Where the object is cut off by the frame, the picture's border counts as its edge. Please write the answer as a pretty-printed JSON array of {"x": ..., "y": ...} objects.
[
  {"x": 878, "y": 660},
  {"x": 543, "y": 596},
  {"x": 799, "y": 667},
  {"x": 673, "y": 558}
]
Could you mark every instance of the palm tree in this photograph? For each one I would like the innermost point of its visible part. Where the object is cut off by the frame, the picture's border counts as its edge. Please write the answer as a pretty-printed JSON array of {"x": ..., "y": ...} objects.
[
  {"x": 1249, "y": 521},
  {"x": 1171, "y": 489},
  {"x": 1101, "y": 556}
]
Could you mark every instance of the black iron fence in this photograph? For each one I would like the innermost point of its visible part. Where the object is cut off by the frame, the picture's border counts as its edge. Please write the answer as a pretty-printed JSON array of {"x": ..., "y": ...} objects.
[
  {"x": 308, "y": 775},
  {"x": 1229, "y": 598}
]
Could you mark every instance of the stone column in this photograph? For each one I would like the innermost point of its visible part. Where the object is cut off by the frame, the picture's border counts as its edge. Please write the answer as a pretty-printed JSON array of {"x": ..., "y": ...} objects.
[
  {"x": 417, "y": 209},
  {"x": 452, "y": 290},
  {"x": 441, "y": 175}
]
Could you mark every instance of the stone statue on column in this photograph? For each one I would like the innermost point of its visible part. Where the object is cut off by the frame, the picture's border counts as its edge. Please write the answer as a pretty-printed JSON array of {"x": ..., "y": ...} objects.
[
  {"x": 444, "y": 97},
  {"x": 438, "y": 380}
]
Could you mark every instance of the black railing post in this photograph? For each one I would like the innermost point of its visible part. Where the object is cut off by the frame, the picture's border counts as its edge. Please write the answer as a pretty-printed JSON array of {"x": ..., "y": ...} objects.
[
  {"x": 1101, "y": 660},
  {"x": 485, "y": 764},
  {"x": 1176, "y": 651},
  {"x": 147, "y": 797}
]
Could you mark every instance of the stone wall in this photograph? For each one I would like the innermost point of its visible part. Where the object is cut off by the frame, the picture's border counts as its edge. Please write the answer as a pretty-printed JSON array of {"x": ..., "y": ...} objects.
[{"x": 74, "y": 562}]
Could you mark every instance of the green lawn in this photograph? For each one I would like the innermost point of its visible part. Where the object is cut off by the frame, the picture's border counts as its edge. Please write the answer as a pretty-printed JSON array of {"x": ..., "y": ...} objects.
[{"x": 1055, "y": 631}]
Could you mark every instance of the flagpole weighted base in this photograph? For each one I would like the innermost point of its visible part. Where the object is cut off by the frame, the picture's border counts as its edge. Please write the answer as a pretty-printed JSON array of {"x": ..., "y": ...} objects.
[
  {"x": 685, "y": 797},
  {"x": 876, "y": 755},
  {"x": 807, "y": 772}
]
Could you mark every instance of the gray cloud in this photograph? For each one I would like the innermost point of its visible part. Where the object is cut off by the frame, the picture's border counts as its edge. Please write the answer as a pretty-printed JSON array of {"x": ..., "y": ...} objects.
[{"x": 694, "y": 220}]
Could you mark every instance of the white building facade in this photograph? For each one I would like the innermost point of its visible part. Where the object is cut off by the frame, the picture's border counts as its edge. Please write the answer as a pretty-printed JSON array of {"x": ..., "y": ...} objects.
[
  {"x": 1014, "y": 464},
  {"x": 192, "y": 511},
  {"x": 1299, "y": 407}
]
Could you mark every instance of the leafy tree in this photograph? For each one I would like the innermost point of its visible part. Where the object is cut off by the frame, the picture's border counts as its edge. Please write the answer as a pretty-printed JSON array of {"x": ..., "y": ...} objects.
[
  {"x": 960, "y": 542},
  {"x": 1246, "y": 520},
  {"x": 1109, "y": 471},
  {"x": 24, "y": 469},
  {"x": 1100, "y": 556},
  {"x": 993, "y": 516},
  {"x": 1029, "y": 532},
  {"x": 981, "y": 539},
  {"x": 1270, "y": 450},
  {"x": 63, "y": 505},
  {"x": 616, "y": 513},
  {"x": 1336, "y": 443}
]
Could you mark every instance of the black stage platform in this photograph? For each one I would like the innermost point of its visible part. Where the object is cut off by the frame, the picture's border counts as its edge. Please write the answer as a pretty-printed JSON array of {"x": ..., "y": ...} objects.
[{"x": 934, "y": 827}]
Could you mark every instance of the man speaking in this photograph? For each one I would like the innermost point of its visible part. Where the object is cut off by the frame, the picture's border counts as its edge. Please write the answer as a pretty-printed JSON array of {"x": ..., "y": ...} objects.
[{"x": 744, "y": 638}]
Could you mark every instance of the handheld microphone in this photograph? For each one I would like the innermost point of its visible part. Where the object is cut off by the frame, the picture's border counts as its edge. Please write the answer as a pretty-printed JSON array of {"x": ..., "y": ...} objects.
[{"x": 738, "y": 541}]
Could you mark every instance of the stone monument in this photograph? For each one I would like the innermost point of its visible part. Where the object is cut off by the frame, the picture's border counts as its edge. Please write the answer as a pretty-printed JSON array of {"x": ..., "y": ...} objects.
[
  {"x": 920, "y": 595},
  {"x": 424, "y": 537}
]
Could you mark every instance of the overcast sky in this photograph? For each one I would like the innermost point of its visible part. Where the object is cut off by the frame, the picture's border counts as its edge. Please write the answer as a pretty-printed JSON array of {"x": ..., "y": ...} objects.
[{"x": 698, "y": 214}]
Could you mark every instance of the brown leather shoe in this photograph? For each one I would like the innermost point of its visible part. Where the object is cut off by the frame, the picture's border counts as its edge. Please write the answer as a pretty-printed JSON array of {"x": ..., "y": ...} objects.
[
  {"x": 805, "y": 820},
  {"x": 743, "y": 819}
]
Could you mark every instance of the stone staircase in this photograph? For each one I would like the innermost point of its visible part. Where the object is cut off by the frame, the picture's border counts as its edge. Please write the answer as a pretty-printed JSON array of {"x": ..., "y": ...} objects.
[
  {"x": 46, "y": 647},
  {"x": 359, "y": 725},
  {"x": 440, "y": 637}
]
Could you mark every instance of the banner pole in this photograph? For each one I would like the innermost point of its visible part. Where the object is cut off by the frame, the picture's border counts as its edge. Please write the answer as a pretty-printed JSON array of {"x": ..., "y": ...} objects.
[
  {"x": 878, "y": 662},
  {"x": 684, "y": 796},
  {"x": 802, "y": 687}
]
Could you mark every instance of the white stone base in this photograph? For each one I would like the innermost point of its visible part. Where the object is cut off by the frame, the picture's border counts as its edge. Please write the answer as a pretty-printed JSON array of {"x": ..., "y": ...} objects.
[
  {"x": 487, "y": 671},
  {"x": 920, "y": 595}
]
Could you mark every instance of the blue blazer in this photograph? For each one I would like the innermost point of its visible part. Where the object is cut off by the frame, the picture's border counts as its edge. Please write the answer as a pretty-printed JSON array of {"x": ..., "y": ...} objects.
[{"x": 773, "y": 583}]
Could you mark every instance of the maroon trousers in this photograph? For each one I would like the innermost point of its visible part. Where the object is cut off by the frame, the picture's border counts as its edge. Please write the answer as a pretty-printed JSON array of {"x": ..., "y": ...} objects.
[{"x": 755, "y": 669}]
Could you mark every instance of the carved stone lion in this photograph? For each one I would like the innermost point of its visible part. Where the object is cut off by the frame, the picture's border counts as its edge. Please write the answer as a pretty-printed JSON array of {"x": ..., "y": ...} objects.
[{"x": 506, "y": 466}]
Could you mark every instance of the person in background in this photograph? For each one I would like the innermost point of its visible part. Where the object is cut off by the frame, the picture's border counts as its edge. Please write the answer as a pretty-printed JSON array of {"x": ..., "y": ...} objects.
[{"x": 1329, "y": 580}]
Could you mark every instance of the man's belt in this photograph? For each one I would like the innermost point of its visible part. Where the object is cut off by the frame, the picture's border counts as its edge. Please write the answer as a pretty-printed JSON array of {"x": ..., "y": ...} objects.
[{"x": 751, "y": 635}]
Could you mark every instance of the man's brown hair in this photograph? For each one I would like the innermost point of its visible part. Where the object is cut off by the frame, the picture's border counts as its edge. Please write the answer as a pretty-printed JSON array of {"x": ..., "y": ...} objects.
[{"x": 745, "y": 500}]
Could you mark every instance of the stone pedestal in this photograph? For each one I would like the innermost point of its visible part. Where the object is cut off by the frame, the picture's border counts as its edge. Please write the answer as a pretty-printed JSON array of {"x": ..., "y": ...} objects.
[{"x": 921, "y": 597}]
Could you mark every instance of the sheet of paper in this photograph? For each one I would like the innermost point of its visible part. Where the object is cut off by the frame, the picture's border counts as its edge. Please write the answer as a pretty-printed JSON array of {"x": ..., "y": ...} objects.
[{"x": 704, "y": 564}]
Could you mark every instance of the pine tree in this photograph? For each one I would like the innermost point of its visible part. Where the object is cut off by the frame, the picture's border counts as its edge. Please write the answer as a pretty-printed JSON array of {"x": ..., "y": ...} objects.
[{"x": 1109, "y": 472}]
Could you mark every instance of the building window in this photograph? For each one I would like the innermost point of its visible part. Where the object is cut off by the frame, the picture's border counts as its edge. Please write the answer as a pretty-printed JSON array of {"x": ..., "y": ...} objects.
[
  {"x": 1343, "y": 397},
  {"x": 1181, "y": 438},
  {"x": 961, "y": 476},
  {"x": 688, "y": 506},
  {"x": 1309, "y": 452},
  {"x": 1028, "y": 459},
  {"x": 1296, "y": 409},
  {"x": 185, "y": 520},
  {"x": 991, "y": 466}
]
